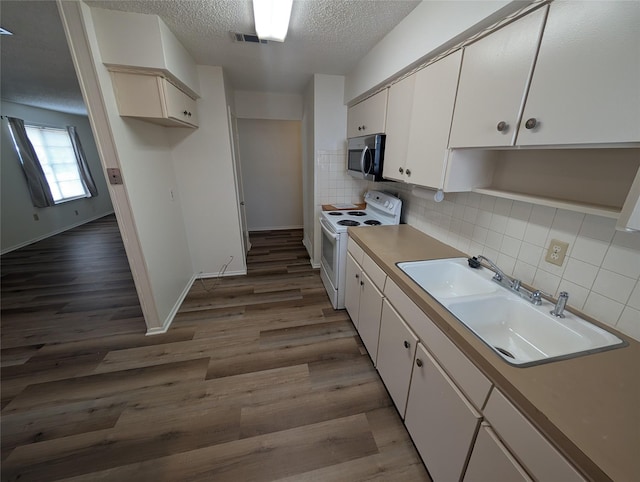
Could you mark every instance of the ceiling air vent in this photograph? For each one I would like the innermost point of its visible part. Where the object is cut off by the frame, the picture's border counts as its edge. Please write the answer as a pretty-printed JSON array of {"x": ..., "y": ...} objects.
[{"x": 247, "y": 37}]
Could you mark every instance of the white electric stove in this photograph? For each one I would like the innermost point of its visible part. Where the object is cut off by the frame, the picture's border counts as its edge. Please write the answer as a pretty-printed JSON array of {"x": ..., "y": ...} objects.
[{"x": 381, "y": 209}]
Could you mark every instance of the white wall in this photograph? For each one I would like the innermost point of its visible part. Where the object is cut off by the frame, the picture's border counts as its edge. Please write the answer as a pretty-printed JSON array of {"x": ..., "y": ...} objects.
[
  {"x": 18, "y": 225},
  {"x": 332, "y": 184},
  {"x": 267, "y": 105},
  {"x": 308, "y": 170},
  {"x": 271, "y": 158},
  {"x": 205, "y": 179},
  {"x": 601, "y": 272},
  {"x": 146, "y": 160},
  {"x": 431, "y": 28}
]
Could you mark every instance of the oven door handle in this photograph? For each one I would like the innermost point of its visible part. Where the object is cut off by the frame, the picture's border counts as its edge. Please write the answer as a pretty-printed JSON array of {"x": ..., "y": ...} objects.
[{"x": 327, "y": 229}]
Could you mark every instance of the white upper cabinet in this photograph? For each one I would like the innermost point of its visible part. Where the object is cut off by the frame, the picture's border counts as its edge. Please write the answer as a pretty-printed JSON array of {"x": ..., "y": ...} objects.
[
  {"x": 154, "y": 99},
  {"x": 493, "y": 80},
  {"x": 398, "y": 128},
  {"x": 368, "y": 117},
  {"x": 418, "y": 122},
  {"x": 586, "y": 84},
  {"x": 433, "y": 99}
]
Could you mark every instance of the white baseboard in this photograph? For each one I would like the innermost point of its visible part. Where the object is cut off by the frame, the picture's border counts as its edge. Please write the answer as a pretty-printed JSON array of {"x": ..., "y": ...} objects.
[
  {"x": 216, "y": 275},
  {"x": 174, "y": 311},
  {"x": 53, "y": 233},
  {"x": 275, "y": 228},
  {"x": 172, "y": 314}
]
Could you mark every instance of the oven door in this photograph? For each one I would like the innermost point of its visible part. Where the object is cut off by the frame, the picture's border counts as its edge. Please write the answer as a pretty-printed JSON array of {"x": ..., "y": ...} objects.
[{"x": 330, "y": 252}]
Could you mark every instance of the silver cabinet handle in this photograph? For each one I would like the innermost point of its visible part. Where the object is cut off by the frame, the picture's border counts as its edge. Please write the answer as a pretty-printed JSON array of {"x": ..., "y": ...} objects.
[
  {"x": 502, "y": 126},
  {"x": 408, "y": 171},
  {"x": 418, "y": 362},
  {"x": 407, "y": 344},
  {"x": 531, "y": 123}
]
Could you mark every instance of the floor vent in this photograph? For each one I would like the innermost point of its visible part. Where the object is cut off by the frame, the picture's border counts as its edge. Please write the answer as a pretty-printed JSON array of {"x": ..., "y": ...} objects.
[{"x": 247, "y": 37}]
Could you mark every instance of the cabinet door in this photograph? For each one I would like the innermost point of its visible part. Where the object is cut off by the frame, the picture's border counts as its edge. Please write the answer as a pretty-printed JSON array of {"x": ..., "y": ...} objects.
[
  {"x": 398, "y": 126},
  {"x": 353, "y": 275},
  {"x": 490, "y": 460},
  {"x": 433, "y": 99},
  {"x": 396, "y": 350},
  {"x": 369, "y": 316},
  {"x": 368, "y": 117},
  {"x": 179, "y": 105},
  {"x": 585, "y": 87},
  {"x": 441, "y": 422},
  {"x": 540, "y": 458},
  {"x": 493, "y": 80}
]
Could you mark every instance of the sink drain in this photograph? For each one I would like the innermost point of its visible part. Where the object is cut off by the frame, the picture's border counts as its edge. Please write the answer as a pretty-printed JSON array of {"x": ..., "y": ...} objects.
[{"x": 504, "y": 352}]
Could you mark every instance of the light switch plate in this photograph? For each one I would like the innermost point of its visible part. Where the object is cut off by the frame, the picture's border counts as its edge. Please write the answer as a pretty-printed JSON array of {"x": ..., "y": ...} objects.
[{"x": 556, "y": 252}]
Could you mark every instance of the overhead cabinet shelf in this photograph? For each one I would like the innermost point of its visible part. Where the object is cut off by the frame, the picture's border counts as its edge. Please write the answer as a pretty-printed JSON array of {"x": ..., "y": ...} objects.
[
  {"x": 592, "y": 181},
  {"x": 153, "y": 98}
]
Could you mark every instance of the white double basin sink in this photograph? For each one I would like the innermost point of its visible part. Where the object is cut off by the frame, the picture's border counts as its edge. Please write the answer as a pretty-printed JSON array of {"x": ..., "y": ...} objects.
[{"x": 520, "y": 332}]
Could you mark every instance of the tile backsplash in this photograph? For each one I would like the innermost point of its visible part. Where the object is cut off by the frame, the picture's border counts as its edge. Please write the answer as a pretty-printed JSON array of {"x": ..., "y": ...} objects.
[
  {"x": 601, "y": 271},
  {"x": 333, "y": 184}
]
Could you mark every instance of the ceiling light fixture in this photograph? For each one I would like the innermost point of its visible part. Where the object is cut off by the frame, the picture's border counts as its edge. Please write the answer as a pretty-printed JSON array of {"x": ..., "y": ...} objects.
[{"x": 272, "y": 18}]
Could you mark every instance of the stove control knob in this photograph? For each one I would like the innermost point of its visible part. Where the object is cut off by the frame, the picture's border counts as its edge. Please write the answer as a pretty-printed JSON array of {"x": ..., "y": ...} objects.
[{"x": 386, "y": 204}]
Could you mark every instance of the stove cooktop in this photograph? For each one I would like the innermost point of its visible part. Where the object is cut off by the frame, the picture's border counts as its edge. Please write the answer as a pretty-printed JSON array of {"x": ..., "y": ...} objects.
[{"x": 382, "y": 209}]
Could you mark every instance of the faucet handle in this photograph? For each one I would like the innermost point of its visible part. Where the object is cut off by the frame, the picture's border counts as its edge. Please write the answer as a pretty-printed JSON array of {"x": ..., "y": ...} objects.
[{"x": 536, "y": 296}]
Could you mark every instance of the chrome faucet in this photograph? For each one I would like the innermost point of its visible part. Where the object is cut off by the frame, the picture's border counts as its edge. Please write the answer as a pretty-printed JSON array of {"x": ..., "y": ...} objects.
[
  {"x": 499, "y": 276},
  {"x": 511, "y": 283}
]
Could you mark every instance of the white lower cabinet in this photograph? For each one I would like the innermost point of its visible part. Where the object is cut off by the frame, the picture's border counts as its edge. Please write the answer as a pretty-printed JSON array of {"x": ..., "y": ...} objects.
[
  {"x": 363, "y": 300},
  {"x": 396, "y": 351},
  {"x": 490, "y": 460},
  {"x": 539, "y": 457},
  {"x": 442, "y": 423}
]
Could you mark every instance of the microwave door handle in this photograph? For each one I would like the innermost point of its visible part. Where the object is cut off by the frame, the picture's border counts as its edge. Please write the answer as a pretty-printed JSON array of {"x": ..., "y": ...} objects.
[{"x": 364, "y": 153}]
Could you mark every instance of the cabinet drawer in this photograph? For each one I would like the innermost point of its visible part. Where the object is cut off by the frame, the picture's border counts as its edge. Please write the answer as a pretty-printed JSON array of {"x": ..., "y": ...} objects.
[
  {"x": 355, "y": 250},
  {"x": 539, "y": 457},
  {"x": 377, "y": 275},
  {"x": 490, "y": 460},
  {"x": 465, "y": 374}
]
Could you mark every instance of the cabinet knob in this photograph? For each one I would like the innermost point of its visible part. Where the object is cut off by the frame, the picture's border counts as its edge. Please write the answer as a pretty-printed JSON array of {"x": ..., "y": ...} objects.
[
  {"x": 531, "y": 123},
  {"x": 357, "y": 276},
  {"x": 502, "y": 126},
  {"x": 407, "y": 344},
  {"x": 189, "y": 114},
  {"x": 185, "y": 112},
  {"x": 400, "y": 170},
  {"x": 364, "y": 127},
  {"x": 418, "y": 362},
  {"x": 408, "y": 171},
  {"x": 361, "y": 283}
]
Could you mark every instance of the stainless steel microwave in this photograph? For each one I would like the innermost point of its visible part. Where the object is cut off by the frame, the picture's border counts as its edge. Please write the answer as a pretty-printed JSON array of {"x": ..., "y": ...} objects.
[{"x": 365, "y": 157}]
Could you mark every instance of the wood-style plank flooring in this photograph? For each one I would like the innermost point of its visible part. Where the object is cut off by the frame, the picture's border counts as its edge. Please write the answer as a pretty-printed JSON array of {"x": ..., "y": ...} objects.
[{"x": 258, "y": 378}]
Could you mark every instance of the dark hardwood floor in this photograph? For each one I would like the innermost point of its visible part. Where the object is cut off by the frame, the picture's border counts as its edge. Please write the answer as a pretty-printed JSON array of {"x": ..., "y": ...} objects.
[{"x": 258, "y": 378}]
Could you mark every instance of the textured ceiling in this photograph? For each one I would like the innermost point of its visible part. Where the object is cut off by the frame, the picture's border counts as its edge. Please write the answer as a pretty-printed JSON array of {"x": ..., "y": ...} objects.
[{"x": 325, "y": 36}]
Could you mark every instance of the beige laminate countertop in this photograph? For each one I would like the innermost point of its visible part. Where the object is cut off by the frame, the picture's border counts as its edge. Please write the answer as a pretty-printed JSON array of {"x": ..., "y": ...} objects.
[{"x": 588, "y": 406}]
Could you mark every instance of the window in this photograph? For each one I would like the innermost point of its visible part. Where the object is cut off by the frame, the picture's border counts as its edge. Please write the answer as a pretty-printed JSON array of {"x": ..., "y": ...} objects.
[{"x": 59, "y": 163}]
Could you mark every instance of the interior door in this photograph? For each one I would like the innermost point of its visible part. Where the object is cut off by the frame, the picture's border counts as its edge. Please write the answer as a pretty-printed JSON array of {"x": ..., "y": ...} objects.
[{"x": 237, "y": 170}]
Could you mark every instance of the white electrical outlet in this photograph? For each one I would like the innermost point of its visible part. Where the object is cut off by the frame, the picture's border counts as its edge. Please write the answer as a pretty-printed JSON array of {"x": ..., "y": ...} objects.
[{"x": 556, "y": 252}]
